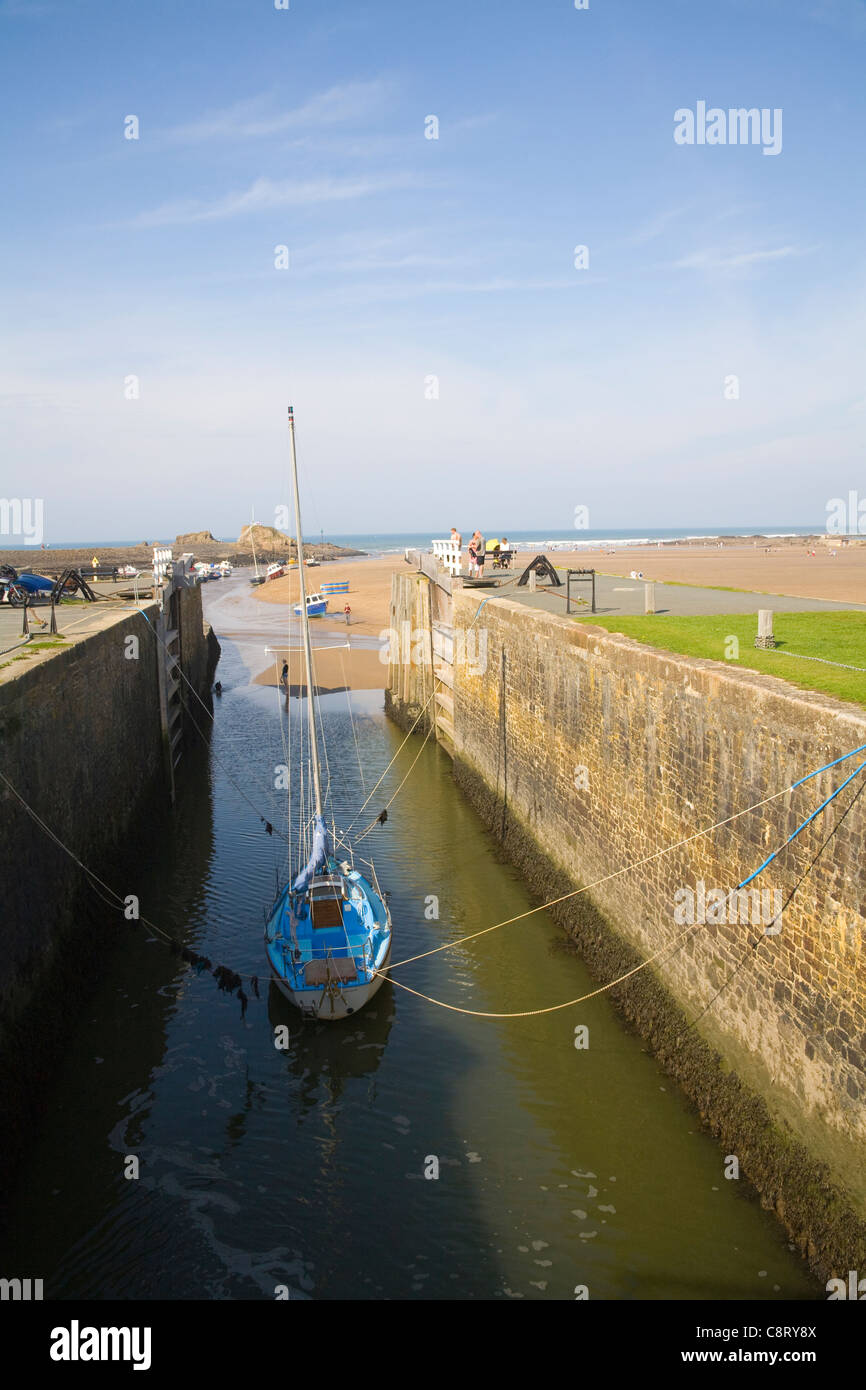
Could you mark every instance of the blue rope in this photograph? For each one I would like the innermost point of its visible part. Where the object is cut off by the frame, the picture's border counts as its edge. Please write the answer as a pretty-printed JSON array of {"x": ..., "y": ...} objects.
[
  {"x": 835, "y": 763},
  {"x": 815, "y": 813}
]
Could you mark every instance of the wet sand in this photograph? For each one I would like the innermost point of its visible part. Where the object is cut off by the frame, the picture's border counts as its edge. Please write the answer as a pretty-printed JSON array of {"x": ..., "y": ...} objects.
[
  {"x": 335, "y": 669},
  {"x": 369, "y": 595}
]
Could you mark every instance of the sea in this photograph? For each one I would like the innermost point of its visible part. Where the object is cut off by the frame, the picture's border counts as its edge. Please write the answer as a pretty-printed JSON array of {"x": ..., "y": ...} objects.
[{"x": 392, "y": 543}]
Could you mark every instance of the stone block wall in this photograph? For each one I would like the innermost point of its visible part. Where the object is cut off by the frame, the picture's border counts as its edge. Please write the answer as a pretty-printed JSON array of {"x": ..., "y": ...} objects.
[{"x": 587, "y": 752}]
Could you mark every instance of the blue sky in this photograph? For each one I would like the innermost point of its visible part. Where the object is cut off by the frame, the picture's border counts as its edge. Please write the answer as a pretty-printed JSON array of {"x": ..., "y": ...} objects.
[{"x": 413, "y": 258}]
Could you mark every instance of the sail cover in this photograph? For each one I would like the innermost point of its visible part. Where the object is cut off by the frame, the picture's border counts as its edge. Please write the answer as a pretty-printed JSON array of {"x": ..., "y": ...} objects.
[{"x": 317, "y": 860}]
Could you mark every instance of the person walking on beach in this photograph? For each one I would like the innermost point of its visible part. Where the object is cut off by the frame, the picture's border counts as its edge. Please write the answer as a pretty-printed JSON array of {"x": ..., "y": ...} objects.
[
  {"x": 284, "y": 674},
  {"x": 348, "y": 612}
]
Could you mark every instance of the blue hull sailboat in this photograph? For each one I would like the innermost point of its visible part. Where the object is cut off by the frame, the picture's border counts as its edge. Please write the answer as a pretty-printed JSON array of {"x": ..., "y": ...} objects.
[{"x": 328, "y": 935}]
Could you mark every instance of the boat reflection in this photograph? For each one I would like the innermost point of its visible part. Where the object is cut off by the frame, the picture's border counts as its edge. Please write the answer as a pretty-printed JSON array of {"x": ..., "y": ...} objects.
[{"x": 330, "y": 1055}]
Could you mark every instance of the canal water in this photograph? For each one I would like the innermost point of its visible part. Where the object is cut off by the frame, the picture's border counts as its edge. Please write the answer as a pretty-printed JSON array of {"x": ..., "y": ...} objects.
[{"x": 557, "y": 1167}]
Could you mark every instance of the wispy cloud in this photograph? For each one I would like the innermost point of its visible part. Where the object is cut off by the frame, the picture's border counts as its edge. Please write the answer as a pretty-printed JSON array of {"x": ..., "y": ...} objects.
[
  {"x": 255, "y": 117},
  {"x": 713, "y": 259},
  {"x": 370, "y": 292},
  {"x": 265, "y": 194},
  {"x": 654, "y": 227}
]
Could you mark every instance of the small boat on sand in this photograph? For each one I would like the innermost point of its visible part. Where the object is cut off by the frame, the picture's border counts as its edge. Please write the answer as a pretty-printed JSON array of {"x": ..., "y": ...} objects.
[{"x": 316, "y": 606}]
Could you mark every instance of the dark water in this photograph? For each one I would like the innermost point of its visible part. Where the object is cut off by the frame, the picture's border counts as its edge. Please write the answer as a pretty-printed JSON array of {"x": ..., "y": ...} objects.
[{"x": 557, "y": 1167}]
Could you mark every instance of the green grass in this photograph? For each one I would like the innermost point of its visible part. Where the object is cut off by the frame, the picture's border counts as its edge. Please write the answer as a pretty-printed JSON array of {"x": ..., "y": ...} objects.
[
  {"x": 839, "y": 636},
  {"x": 32, "y": 647}
]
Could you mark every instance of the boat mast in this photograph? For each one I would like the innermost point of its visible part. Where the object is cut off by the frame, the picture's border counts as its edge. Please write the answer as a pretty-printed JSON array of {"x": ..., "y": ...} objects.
[
  {"x": 305, "y": 623},
  {"x": 253, "y": 539}
]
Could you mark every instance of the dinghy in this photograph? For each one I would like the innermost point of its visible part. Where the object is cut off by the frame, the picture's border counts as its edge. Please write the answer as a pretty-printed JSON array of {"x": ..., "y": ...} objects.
[{"x": 328, "y": 935}]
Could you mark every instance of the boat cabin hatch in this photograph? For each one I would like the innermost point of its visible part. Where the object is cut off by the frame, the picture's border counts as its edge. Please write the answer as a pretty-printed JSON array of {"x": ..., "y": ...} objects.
[{"x": 327, "y": 893}]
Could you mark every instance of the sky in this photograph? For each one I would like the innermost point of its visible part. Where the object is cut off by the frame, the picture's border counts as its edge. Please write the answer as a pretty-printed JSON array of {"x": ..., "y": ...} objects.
[{"x": 448, "y": 361}]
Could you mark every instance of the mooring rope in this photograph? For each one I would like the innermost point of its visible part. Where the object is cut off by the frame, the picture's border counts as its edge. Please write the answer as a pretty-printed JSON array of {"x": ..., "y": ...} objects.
[
  {"x": 232, "y": 981},
  {"x": 825, "y": 660},
  {"x": 680, "y": 938},
  {"x": 756, "y": 943},
  {"x": 381, "y": 816},
  {"x": 617, "y": 873},
  {"x": 437, "y": 680}
]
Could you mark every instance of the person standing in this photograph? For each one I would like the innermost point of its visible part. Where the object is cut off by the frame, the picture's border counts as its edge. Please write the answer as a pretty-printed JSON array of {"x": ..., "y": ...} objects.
[
  {"x": 473, "y": 553},
  {"x": 348, "y": 612},
  {"x": 457, "y": 540},
  {"x": 479, "y": 555}
]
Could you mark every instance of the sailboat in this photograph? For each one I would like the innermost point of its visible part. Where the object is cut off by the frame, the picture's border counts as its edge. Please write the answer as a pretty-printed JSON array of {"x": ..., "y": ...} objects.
[
  {"x": 328, "y": 936},
  {"x": 256, "y": 578}
]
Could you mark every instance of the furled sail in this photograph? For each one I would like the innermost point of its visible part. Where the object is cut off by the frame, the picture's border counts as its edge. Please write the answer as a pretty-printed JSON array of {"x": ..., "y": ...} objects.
[{"x": 317, "y": 860}]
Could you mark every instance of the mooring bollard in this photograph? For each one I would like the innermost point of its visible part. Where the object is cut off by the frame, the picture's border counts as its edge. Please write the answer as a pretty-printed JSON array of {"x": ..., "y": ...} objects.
[
  {"x": 765, "y": 636},
  {"x": 649, "y": 598}
]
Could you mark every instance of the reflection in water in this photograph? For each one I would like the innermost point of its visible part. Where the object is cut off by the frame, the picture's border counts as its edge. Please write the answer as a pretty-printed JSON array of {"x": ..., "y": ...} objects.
[
  {"x": 306, "y": 1166},
  {"x": 319, "y": 1053}
]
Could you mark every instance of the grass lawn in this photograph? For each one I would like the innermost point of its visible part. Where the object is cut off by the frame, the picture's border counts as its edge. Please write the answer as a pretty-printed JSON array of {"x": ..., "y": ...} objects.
[{"x": 832, "y": 636}]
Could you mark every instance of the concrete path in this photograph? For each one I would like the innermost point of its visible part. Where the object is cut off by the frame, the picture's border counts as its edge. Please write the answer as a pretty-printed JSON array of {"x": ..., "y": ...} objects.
[
  {"x": 76, "y": 620},
  {"x": 621, "y": 597}
]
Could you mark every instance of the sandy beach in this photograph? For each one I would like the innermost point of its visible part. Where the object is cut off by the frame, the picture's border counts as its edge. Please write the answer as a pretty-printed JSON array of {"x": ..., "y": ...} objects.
[
  {"x": 369, "y": 595},
  {"x": 784, "y": 570},
  {"x": 336, "y": 669}
]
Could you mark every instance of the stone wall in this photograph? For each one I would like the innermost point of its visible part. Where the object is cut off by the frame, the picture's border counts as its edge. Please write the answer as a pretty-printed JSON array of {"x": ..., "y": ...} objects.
[
  {"x": 587, "y": 752},
  {"x": 410, "y": 668},
  {"x": 81, "y": 741},
  {"x": 199, "y": 649}
]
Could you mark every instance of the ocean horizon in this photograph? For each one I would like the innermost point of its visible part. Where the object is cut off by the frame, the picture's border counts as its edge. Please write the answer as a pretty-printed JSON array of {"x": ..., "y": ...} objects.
[{"x": 385, "y": 543}]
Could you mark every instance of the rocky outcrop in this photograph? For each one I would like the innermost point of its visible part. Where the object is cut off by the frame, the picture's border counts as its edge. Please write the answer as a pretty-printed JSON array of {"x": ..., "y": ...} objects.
[
  {"x": 195, "y": 538},
  {"x": 268, "y": 537}
]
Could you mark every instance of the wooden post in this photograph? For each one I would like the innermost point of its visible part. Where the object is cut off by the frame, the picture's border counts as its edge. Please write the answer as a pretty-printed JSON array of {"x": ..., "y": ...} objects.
[
  {"x": 532, "y": 580},
  {"x": 649, "y": 601}
]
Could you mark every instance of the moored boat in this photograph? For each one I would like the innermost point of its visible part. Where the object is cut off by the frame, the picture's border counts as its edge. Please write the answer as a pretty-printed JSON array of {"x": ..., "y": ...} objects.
[
  {"x": 317, "y": 606},
  {"x": 328, "y": 934}
]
